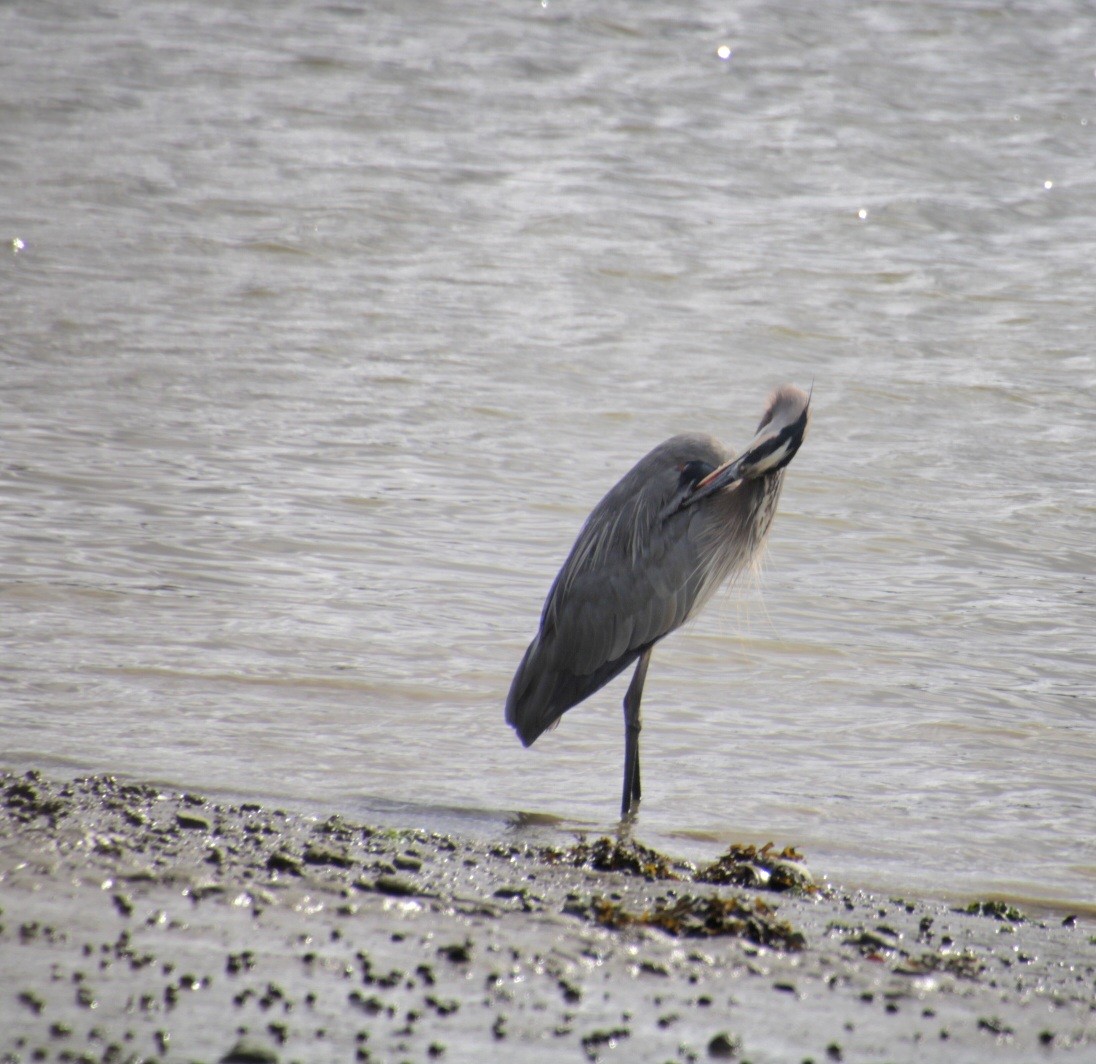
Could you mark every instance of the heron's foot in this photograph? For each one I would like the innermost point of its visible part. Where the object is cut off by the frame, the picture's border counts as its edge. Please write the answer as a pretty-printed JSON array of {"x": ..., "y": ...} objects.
[{"x": 628, "y": 818}]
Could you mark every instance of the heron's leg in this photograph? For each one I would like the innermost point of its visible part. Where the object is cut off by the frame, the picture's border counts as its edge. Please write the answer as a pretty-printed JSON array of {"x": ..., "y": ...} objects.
[{"x": 632, "y": 728}]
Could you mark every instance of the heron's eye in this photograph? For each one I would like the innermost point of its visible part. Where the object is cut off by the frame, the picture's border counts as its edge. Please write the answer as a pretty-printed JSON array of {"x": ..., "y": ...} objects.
[{"x": 694, "y": 472}]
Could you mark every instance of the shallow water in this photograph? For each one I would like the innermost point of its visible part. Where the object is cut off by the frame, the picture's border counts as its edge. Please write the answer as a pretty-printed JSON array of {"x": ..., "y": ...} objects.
[{"x": 323, "y": 329}]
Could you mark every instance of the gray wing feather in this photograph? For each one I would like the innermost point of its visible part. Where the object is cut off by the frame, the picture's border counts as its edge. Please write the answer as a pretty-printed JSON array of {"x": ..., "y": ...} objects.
[
  {"x": 627, "y": 591},
  {"x": 620, "y": 591}
]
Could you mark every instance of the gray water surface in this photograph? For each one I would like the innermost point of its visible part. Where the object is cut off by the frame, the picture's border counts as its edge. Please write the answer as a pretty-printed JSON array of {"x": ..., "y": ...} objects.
[{"x": 325, "y": 324}]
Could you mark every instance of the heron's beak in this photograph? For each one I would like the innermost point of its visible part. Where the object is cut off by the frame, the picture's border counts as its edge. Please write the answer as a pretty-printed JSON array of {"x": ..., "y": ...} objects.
[{"x": 771, "y": 449}]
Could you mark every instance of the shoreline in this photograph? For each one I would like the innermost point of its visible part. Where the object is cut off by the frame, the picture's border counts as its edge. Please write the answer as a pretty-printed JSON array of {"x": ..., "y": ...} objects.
[{"x": 145, "y": 923}]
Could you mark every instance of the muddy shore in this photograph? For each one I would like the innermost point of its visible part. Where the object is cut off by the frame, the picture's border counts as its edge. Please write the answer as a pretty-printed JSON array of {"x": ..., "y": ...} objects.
[{"x": 141, "y": 924}]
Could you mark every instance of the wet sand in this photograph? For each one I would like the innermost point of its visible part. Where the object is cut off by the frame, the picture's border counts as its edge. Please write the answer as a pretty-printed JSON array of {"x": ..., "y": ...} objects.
[{"x": 141, "y": 924}]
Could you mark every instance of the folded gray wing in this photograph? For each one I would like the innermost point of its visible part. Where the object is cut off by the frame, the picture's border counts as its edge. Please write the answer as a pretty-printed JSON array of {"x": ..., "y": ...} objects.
[{"x": 631, "y": 578}]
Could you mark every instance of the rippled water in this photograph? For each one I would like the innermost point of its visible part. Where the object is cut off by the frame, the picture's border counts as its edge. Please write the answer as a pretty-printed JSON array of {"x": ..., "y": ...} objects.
[{"x": 324, "y": 325}]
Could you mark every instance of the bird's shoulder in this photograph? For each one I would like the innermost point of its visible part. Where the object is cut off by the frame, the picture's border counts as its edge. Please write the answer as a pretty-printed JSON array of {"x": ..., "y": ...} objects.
[{"x": 629, "y": 519}]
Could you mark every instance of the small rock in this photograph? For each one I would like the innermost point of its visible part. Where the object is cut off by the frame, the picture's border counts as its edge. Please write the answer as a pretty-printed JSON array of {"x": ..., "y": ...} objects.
[
  {"x": 32, "y": 1001},
  {"x": 192, "y": 821},
  {"x": 457, "y": 952},
  {"x": 281, "y": 861},
  {"x": 395, "y": 885},
  {"x": 316, "y": 855},
  {"x": 724, "y": 1045},
  {"x": 249, "y": 1053}
]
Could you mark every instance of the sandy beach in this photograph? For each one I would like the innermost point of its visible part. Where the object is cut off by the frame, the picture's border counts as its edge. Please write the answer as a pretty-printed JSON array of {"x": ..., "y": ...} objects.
[{"x": 143, "y": 924}]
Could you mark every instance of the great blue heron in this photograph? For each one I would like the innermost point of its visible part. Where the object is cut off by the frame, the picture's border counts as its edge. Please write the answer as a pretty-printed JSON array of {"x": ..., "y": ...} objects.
[{"x": 651, "y": 553}]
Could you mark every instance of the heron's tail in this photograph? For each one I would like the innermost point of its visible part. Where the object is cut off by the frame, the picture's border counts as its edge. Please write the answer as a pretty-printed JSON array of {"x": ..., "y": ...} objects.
[
  {"x": 529, "y": 706},
  {"x": 542, "y": 690}
]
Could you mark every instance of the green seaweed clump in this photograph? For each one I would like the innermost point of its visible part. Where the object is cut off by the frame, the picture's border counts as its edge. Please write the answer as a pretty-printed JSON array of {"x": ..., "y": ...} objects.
[
  {"x": 750, "y": 866},
  {"x": 999, "y": 910},
  {"x": 615, "y": 855},
  {"x": 706, "y": 916}
]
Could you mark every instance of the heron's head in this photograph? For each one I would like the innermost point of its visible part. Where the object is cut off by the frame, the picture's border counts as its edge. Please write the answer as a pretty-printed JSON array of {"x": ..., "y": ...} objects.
[{"x": 780, "y": 434}]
